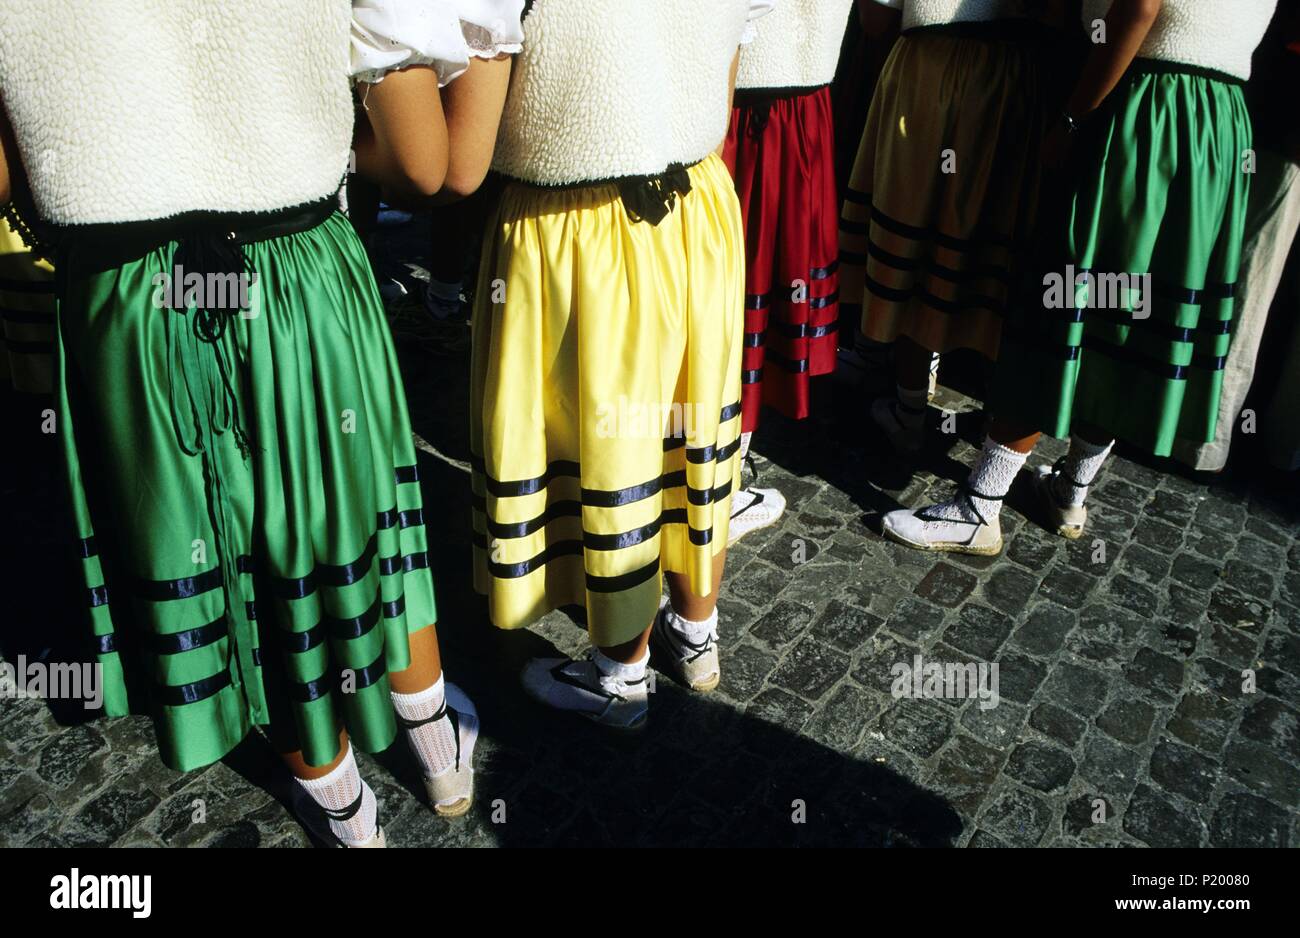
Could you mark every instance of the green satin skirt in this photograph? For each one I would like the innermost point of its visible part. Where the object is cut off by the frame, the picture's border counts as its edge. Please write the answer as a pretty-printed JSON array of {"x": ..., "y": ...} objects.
[
  {"x": 1158, "y": 186},
  {"x": 250, "y": 522}
]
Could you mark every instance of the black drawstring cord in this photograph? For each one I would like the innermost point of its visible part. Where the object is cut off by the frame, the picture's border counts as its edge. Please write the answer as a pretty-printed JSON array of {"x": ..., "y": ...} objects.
[{"x": 211, "y": 255}]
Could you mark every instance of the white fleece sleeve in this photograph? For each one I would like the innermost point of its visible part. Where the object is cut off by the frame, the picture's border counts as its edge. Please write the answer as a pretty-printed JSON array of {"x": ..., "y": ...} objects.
[
  {"x": 757, "y": 8},
  {"x": 492, "y": 27},
  {"x": 393, "y": 34}
]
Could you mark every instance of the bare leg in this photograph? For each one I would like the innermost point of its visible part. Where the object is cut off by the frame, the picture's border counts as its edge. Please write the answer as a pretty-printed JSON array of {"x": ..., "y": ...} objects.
[
  {"x": 425, "y": 667},
  {"x": 1013, "y": 436},
  {"x": 686, "y": 603}
]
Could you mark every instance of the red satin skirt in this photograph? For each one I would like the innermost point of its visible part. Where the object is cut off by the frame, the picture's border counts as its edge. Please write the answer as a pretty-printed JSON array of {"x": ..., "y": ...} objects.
[{"x": 780, "y": 149}]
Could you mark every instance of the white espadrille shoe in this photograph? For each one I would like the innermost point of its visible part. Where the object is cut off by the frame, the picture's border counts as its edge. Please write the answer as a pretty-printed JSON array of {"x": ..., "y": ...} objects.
[
  {"x": 580, "y": 687},
  {"x": 955, "y": 527},
  {"x": 903, "y": 438},
  {"x": 1065, "y": 520},
  {"x": 694, "y": 664},
  {"x": 379, "y": 840},
  {"x": 451, "y": 791}
]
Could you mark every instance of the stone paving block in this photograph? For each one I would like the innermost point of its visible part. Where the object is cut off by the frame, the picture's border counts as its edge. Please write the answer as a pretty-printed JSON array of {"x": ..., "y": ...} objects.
[
  {"x": 844, "y": 626},
  {"x": 1184, "y": 771},
  {"x": 946, "y": 585},
  {"x": 1058, "y": 723},
  {"x": 1245, "y": 820},
  {"x": 979, "y": 630},
  {"x": 915, "y": 619},
  {"x": 1159, "y": 675},
  {"x": 1045, "y": 630},
  {"x": 1017, "y": 816},
  {"x": 1041, "y": 766},
  {"x": 811, "y": 669},
  {"x": 965, "y": 772},
  {"x": 783, "y": 623},
  {"x": 1264, "y": 771},
  {"x": 1127, "y": 720},
  {"x": 1112, "y": 767},
  {"x": 1153, "y": 819}
]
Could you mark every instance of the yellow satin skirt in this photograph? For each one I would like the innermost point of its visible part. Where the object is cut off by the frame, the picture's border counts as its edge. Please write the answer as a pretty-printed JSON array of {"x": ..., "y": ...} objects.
[{"x": 605, "y": 400}]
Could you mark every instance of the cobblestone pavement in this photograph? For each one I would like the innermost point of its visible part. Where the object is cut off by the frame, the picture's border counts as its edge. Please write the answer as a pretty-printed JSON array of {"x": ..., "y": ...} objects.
[{"x": 1122, "y": 718}]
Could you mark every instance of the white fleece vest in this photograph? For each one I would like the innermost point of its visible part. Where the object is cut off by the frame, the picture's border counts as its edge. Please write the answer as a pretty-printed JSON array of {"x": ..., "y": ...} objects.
[
  {"x": 612, "y": 88},
  {"x": 143, "y": 109},
  {"x": 798, "y": 45},
  {"x": 917, "y": 13},
  {"x": 1217, "y": 34}
]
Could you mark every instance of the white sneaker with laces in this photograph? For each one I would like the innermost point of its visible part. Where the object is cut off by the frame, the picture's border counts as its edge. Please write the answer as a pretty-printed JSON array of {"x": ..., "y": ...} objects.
[
  {"x": 693, "y": 663},
  {"x": 581, "y": 687}
]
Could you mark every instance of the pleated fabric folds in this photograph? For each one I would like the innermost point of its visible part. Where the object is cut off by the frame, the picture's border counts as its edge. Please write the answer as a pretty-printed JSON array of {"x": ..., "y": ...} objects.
[
  {"x": 1159, "y": 188},
  {"x": 250, "y": 523},
  {"x": 605, "y": 400},
  {"x": 944, "y": 191},
  {"x": 781, "y": 150}
]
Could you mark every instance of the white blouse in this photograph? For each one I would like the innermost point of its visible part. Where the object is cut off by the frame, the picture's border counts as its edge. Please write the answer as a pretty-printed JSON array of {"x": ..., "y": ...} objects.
[{"x": 444, "y": 34}]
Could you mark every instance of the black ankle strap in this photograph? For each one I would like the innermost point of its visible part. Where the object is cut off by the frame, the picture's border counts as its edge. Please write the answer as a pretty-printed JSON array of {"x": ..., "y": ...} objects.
[
  {"x": 443, "y": 711},
  {"x": 348, "y": 813},
  {"x": 1058, "y": 469}
]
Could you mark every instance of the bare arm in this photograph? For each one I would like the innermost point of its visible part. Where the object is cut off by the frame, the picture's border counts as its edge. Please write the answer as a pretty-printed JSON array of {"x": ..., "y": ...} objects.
[
  {"x": 6, "y": 147},
  {"x": 473, "y": 105},
  {"x": 1127, "y": 25},
  {"x": 731, "y": 99},
  {"x": 877, "y": 19},
  {"x": 402, "y": 143}
]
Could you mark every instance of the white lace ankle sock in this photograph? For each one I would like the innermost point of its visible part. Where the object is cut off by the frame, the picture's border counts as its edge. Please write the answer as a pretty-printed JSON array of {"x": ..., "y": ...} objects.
[
  {"x": 988, "y": 484},
  {"x": 433, "y": 742},
  {"x": 337, "y": 792},
  {"x": 621, "y": 670},
  {"x": 694, "y": 632},
  {"x": 744, "y": 444},
  {"x": 1078, "y": 471},
  {"x": 910, "y": 409}
]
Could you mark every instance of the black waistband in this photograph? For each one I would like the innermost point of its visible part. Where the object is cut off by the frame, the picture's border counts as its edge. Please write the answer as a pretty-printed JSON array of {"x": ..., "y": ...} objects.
[
  {"x": 1163, "y": 67},
  {"x": 751, "y": 97},
  {"x": 105, "y": 246},
  {"x": 647, "y": 198}
]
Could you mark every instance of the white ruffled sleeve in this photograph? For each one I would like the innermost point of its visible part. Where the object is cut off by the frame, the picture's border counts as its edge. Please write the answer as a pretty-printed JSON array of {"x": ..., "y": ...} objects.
[
  {"x": 492, "y": 27},
  {"x": 757, "y": 8},
  {"x": 393, "y": 34}
]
